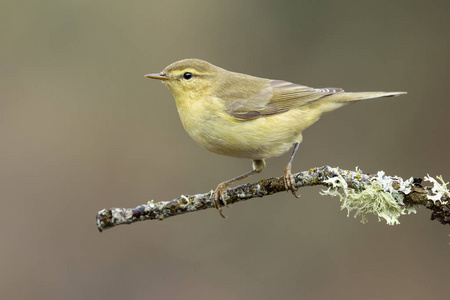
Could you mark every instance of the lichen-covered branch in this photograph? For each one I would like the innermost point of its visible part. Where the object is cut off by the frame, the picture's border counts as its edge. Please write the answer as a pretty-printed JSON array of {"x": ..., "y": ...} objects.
[{"x": 387, "y": 197}]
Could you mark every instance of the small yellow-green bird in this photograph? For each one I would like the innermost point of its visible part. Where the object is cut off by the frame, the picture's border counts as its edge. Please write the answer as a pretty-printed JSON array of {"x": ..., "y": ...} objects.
[{"x": 248, "y": 117}]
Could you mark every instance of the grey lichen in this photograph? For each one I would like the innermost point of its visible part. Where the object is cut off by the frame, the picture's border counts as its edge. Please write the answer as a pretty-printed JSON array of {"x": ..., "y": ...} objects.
[{"x": 439, "y": 190}]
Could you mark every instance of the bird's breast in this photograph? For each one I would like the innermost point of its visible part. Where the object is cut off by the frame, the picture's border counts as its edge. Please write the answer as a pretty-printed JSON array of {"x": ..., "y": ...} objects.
[{"x": 208, "y": 123}]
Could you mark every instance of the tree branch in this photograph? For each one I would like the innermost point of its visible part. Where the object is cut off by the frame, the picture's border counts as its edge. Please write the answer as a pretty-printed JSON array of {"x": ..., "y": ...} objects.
[{"x": 388, "y": 197}]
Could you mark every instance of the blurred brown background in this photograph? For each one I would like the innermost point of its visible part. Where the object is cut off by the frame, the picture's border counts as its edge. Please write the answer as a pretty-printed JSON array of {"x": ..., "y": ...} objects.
[{"x": 81, "y": 129}]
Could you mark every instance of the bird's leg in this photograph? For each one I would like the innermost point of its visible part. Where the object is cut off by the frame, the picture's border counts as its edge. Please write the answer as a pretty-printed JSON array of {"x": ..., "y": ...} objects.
[
  {"x": 258, "y": 166},
  {"x": 289, "y": 181}
]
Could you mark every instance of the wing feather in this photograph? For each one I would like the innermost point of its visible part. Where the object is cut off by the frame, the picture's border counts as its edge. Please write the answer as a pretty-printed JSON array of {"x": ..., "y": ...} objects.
[{"x": 278, "y": 97}]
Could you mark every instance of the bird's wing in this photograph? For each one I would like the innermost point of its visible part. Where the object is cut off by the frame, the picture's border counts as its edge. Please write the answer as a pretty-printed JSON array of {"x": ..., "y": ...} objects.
[{"x": 278, "y": 97}]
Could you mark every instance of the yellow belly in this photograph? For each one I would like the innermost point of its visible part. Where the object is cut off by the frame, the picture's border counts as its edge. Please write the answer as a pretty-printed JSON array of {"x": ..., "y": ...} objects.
[{"x": 215, "y": 130}]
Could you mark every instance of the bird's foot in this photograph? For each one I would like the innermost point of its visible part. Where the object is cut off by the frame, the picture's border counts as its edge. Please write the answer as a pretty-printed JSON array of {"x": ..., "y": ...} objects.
[
  {"x": 219, "y": 199},
  {"x": 289, "y": 181}
]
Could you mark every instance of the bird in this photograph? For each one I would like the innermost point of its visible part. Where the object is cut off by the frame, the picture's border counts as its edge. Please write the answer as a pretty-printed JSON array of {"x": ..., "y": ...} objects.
[{"x": 249, "y": 117}]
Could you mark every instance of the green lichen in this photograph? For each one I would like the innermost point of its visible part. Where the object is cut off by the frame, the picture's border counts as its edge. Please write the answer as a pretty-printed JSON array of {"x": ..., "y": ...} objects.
[{"x": 373, "y": 199}]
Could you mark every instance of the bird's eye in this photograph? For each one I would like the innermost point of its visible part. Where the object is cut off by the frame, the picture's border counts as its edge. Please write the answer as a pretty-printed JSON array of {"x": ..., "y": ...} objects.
[{"x": 187, "y": 75}]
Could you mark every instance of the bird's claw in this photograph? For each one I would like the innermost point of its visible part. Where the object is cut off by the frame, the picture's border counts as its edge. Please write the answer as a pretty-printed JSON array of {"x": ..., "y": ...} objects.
[
  {"x": 219, "y": 198},
  {"x": 289, "y": 181}
]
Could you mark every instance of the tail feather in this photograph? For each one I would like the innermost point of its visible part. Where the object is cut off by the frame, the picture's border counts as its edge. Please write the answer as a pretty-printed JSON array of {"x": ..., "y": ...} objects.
[
  {"x": 365, "y": 95},
  {"x": 339, "y": 99}
]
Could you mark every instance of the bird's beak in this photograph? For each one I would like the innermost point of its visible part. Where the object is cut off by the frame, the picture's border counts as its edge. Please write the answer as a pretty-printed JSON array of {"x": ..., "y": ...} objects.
[{"x": 160, "y": 76}]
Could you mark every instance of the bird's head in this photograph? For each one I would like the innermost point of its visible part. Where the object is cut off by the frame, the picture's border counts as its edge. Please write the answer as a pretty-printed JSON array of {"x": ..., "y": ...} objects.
[{"x": 189, "y": 78}]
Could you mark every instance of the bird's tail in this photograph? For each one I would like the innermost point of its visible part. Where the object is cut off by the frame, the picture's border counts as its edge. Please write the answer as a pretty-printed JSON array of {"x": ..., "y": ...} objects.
[
  {"x": 337, "y": 100},
  {"x": 364, "y": 95}
]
